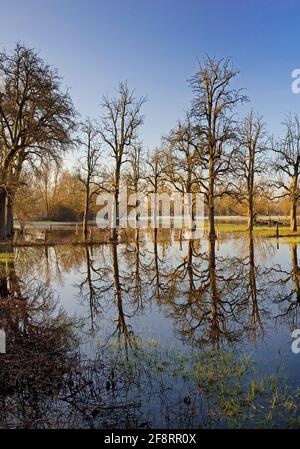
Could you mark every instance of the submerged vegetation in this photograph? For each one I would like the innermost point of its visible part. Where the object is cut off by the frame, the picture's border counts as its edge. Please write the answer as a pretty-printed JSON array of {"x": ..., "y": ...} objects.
[{"x": 145, "y": 387}]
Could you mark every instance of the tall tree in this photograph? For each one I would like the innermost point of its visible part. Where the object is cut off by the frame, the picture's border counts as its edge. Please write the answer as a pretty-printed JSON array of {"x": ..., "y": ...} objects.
[
  {"x": 88, "y": 169},
  {"x": 119, "y": 130},
  {"x": 36, "y": 120},
  {"x": 155, "y": 171},
  {"x": 155, "y": 174},
  {"x": 287, "y": 166},
  {"x": 182, "y": 161},
  {"x": 249, "y": 162},
  {"x": 213, "y": 106},
  {"x": 47, "y": 178}
]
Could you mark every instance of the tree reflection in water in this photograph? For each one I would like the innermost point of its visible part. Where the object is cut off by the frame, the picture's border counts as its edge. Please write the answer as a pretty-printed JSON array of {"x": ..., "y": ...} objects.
[
  {"x": 215, "y": 299},
  {"x": 215, "y": 302},
  {"x": 288, "y": 296},
  {"x": 39, "y": 345}
]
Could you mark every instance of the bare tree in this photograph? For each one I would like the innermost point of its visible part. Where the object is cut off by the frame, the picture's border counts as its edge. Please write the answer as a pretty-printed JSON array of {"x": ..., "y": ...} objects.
[
  {"x": 155, "y": 178},
  {"x": 249, "y": 162},
  {"x": 134, "y": 174},
  {"x": 47, "y": 177},
  {"x": 119, "y": 131},
  {"x": 213, "y": 105},
  {"x": 155, "y": 171},
  {"x": 287, "y": 165},
  {"x": 88, "y": 169},
  {"x": 182, "y": 162},
  {"x": 36, "y": 119}
]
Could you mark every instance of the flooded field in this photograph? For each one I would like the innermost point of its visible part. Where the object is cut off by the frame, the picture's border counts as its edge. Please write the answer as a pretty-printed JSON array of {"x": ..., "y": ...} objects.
[{"x": 155, "y": 332}]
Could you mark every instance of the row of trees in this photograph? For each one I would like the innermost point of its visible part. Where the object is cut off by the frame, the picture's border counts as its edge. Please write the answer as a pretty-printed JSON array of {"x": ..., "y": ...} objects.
[
  {"x": 211, "y": 151},
  {"x": 56, "y": 194}
]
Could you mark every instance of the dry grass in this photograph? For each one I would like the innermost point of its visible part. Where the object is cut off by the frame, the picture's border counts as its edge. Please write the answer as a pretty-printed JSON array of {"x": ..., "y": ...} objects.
[{"x": 263, "y": 231}]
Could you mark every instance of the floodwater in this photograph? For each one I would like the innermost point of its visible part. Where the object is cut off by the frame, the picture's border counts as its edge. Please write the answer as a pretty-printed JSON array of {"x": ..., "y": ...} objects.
[{"x": 156, "y": 332}]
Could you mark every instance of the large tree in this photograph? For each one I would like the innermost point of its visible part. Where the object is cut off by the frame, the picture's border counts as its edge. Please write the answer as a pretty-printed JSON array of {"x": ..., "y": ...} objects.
[
  {"x": 120, "y": 123},
  {"x": 36, "y": 120},
  {"x": 287, "y": 166},
  {"x": 181, "y": 158},
  {"x": 46, "y": 179},
  {"x": 181, "y": 161},
  {"x": 213, "y": 105},
  {"x": 135, "y": 173},
  {"x": 89, "y": 167},
  {"x": 249, "y": 162}
]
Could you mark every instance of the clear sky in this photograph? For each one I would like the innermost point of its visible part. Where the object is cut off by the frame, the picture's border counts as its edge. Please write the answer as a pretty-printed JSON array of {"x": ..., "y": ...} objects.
[{"x": 155, "y": 45}]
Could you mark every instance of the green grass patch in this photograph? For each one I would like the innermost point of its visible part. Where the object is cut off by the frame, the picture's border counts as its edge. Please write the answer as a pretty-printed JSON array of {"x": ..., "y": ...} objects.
[{"x": 263, "y": 231}]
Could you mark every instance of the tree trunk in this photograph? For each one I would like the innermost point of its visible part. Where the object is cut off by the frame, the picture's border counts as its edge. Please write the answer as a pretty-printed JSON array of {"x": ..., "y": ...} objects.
[
  {"x": 250, "y": 216},
  {"x": 2, "y": 215},
  {"x": 293, "y": 215},
  {"x": 116, "y": 210},
  {"x": 85, "y": 216},
  {"x": 9, "y": 218},
  {"x": 211, "y": 203},
  {"x": 114, "y": 230},
  {"x": 84, "y": 225}
]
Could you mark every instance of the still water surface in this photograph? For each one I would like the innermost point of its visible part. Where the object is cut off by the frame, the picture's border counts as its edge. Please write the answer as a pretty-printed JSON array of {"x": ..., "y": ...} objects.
[{"x": 156, "y": 332}]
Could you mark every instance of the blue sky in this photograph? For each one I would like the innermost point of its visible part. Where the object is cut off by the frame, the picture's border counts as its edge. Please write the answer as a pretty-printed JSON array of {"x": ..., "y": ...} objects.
[{"x": 155, "y": 45}]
